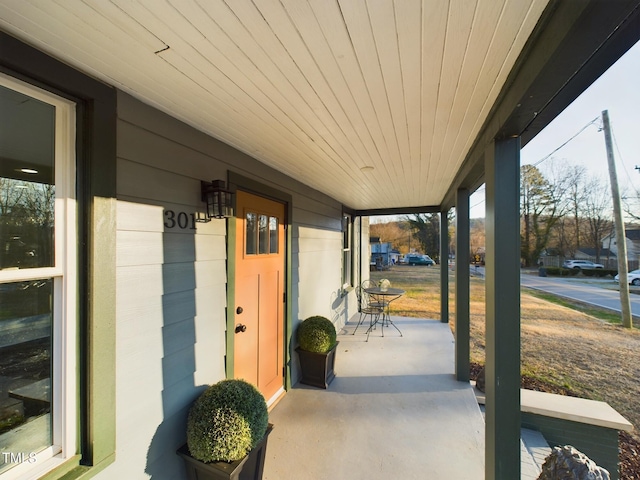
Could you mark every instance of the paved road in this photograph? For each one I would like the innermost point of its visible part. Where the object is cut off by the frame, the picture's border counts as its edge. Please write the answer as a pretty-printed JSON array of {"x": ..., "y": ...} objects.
[{"x": 575, "y": 289}]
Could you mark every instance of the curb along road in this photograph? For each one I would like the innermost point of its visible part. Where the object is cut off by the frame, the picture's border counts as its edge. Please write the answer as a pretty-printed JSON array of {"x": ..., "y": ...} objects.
[{"x": 595, "y": 293}]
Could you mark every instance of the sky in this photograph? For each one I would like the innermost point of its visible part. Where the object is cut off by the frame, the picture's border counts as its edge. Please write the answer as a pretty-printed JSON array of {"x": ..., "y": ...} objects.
[{"x": 618, "y": 92}]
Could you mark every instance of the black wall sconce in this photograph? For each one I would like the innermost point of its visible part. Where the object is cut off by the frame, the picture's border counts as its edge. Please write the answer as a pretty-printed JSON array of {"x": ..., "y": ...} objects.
[{"x": 218, "y": 199}]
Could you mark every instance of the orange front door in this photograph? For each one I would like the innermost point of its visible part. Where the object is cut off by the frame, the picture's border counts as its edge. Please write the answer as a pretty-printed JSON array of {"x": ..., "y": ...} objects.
[{"x": 259, "y": 309}]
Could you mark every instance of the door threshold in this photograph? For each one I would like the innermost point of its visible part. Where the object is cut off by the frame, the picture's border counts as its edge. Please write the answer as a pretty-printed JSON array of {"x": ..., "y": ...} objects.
[{"x": 273, "y": 401}]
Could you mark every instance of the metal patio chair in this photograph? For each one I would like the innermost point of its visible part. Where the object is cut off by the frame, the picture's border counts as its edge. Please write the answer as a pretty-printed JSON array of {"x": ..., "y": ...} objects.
[{"x": 366, "y": 308}]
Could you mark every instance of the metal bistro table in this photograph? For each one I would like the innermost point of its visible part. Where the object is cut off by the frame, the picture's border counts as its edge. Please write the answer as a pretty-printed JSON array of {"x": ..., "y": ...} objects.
[{"x": 384, "y": 298}]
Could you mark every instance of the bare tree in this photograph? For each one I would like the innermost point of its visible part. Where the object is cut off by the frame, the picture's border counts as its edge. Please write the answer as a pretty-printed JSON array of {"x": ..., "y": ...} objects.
[
  {"x": 26, "y": 223},
  {"x": 631, "y": 202},
  {"x": 541, "y": 208},
  {"x": 574, "y": 198},
  {"x": 597, "y": 213}
]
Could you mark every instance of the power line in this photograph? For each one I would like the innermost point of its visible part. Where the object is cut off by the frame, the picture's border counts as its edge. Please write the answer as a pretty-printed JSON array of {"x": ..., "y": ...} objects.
[
  {"x": 615, "y": 142},
  {"x": 550, "y": 154},
  {"x": 621, "y": 161},
  {"x": 574, "y": 136}
]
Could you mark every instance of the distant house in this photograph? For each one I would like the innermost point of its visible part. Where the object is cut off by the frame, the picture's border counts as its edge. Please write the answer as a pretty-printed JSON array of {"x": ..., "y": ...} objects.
[
  {"x": 382, "y": 253},
  {"x": 633, "y": 243}
]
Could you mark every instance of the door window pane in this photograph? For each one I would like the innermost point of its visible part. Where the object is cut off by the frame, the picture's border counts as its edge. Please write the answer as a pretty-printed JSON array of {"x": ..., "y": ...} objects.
[
  {"x": 26, "y": 321},
  {"x": 252, "y": 234},
  {"x": 264, "y": 235},
  {"x": 273, "y": 235},
  {"x": 27, "y": 189},
  {"x": 261, "y": 234}
]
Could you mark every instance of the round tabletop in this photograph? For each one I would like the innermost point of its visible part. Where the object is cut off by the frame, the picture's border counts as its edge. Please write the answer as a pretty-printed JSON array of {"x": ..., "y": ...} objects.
[{"x": 388, "y": 291}]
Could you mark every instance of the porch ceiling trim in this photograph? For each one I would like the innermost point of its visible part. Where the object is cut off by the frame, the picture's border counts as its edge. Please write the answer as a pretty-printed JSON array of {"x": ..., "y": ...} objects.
[{"x": 396, "y": 211}]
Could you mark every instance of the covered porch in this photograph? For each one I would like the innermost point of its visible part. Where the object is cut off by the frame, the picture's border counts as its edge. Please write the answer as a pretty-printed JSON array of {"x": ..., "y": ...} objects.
[
  {"x": 340, "y": 111},
  {"x": 394, "y": 410}
]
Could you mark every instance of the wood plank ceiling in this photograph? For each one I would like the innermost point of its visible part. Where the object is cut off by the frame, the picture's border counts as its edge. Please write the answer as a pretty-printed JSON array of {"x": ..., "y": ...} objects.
[{"x": 373, "y": 102}]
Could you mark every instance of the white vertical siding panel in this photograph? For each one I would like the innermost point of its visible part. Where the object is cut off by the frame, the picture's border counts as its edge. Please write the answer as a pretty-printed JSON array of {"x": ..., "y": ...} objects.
[
  {"x": 139, "y": 362},
  {"x": 210, "y": 334},
  {"x": 211, "y": 274},
  {"x": 139, "y": 217},
  {"x": 136, "y": 283},
  {"x": 211, "y": 247},
  {"x": 320, "y": 257},
  {"x": 138, "y": 248}
]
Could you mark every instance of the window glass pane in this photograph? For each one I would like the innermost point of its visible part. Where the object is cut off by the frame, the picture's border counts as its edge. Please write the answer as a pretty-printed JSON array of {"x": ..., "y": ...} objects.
[
  {"x": 263, "y": 235},
  {"x": 25, "y": 368},
  {"x": 27, "y": 190},
  {"x": 273, "y": 235},
  {"x": 250, "y": 248},
  {"x": 346, "y": 250},
  {"x": 345, "y": 232}
]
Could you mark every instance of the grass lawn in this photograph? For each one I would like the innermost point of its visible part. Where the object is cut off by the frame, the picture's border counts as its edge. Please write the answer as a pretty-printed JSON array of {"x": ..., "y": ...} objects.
[{"x": 563, "y": 345}]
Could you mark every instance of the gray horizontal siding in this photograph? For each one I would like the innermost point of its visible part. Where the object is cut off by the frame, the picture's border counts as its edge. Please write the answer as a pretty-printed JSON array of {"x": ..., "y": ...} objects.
[{"x": 171, "y": 282}]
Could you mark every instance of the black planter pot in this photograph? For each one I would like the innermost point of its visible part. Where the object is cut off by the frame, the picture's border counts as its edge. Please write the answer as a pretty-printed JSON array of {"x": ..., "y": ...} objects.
[
  {"x": 248, "y": 468},
  {"x": 317, "y": 368}
]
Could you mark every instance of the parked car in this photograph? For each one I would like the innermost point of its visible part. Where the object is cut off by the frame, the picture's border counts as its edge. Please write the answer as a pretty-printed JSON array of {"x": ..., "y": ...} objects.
[
  {"x": 633, "y": 277},
  {"x": 415, "y": 259},
  {"x": 581, "y": 264}
]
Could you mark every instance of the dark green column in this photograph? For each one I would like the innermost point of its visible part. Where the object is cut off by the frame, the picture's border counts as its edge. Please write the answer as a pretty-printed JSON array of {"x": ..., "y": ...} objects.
[
  {"x": 502, "y": 225},
  {"x": 444, "y": 267},
  {"x": 462, "y": 285}
]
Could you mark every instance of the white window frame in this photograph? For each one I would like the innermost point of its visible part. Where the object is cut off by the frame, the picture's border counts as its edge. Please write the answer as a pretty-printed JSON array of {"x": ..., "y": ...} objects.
[
  {"x": 347, "y": 252},
  {"x": 64, "y": 276}
]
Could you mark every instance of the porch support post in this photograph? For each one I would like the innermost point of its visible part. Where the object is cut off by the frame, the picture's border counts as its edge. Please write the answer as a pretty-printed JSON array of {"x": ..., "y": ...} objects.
[
  {"x": 444, "y": 267},
  {"x": 462, "y": 285},
  {"x": 502, "y": 283}
]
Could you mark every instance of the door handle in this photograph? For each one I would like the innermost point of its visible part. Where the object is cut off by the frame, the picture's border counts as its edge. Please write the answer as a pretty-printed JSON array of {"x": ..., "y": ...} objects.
[
  {"x": 241, "y": 328},
  {"x": 239, "y": 310}
]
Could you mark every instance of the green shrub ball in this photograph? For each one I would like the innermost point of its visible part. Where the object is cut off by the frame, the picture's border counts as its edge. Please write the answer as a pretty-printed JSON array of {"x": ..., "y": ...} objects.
[
  {"x": 316, "y": 334},
  {"x": 226, "y": 422}
]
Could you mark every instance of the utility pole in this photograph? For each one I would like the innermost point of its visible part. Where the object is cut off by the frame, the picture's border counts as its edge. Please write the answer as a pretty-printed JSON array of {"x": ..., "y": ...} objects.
[{"x": 623, "y": 270}]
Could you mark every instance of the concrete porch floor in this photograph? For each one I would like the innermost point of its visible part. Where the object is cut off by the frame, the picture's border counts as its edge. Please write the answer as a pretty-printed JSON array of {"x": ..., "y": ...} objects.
[{"x": 394, "y": 410}]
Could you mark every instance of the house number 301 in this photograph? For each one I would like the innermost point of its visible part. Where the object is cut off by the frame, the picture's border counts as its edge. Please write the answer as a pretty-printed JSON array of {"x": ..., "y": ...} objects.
[{"x": 181, "y": 220}]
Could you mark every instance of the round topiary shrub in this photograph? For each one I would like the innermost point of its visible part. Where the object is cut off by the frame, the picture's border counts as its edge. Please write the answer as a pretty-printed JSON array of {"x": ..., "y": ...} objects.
[
  {"x": 316, "y": 334},
  {"x": 226, "y": 422}
]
